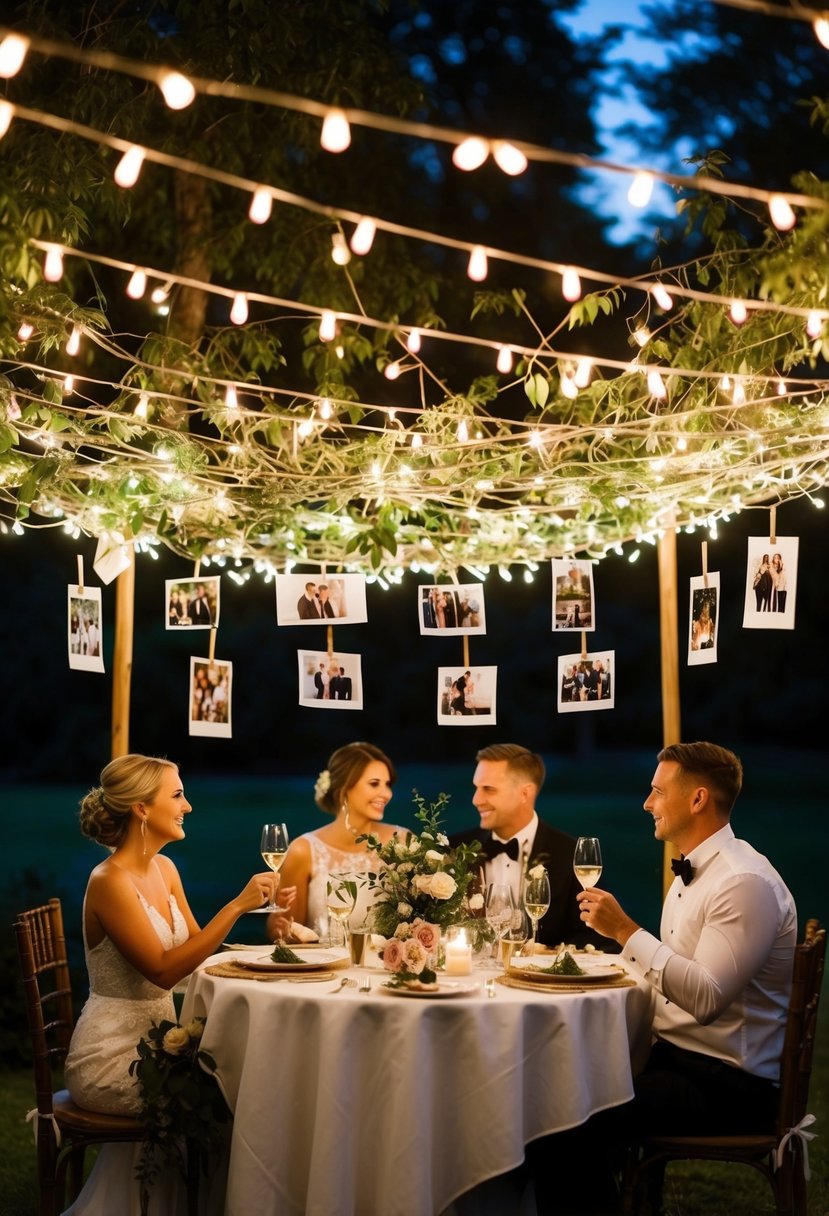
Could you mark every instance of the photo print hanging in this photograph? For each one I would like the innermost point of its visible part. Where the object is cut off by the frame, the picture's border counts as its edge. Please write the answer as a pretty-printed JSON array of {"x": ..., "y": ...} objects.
[
  {"x": 319, "y": 599},
  {"x": 330, "y": 681},
  {"x": 573, "y": 598},
  {"x": 211, "y": 686},
  {"x": 466, "y": 696},
  {"x": 586, "y": 681},
  {"x": 192, "y": 603},
  {"x": 771, "y": 583},
  {"x": 83, "y": 628},
  {"x": 451, "y": 609},
  {"x": 703, "y": 618}
]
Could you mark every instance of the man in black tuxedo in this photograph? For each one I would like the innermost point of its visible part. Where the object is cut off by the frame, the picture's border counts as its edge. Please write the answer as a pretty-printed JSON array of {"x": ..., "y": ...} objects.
[
  {"x": 308, "y": 606},
  {"x": 507, "y": 781},
  {"x": 344, "y": 693},
  {"x": 199, "y": 609}
]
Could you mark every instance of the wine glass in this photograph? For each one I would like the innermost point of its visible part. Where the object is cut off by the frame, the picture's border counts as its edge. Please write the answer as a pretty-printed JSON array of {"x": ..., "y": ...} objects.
[
  {"x": 536, "y": 900},
  {"x": 515, "y": 936},
  {"x": 273, "y": 847},
  {"x": 341, "y": 896},
  {"x": 500, "y": 906},
  {"x": 587, "y": 861}
]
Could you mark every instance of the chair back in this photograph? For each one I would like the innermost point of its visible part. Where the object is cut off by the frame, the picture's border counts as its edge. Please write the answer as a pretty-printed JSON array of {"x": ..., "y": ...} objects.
[
  {"x": 47, "y": 990},
  {"x": 801, "y": 1027}
]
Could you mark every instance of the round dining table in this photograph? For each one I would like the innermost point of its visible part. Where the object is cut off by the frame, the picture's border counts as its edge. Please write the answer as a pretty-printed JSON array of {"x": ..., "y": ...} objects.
[{"x": 366, "y": 1103}]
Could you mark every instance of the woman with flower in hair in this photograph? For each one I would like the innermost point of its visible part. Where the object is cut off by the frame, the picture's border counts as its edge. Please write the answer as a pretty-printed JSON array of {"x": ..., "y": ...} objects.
[
  {"x": 354, "y": 788},
  {"x": 140, "y": 939}
]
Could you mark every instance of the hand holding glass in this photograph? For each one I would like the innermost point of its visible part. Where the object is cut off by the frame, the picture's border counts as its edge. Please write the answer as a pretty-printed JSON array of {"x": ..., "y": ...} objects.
[
  {"x": 273, "y": 847},
  {"x": 536, "y": 900},
  {"x": 587, "y": 861}
]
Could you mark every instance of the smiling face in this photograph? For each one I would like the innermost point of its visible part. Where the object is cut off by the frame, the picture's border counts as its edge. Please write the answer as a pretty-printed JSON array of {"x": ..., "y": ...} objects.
[
  {"x": 165, "y": 814},
  {"x": 369, "y": 795},
  {"x": 504, "y": 800},
  {"x": 673, "y": 802}
]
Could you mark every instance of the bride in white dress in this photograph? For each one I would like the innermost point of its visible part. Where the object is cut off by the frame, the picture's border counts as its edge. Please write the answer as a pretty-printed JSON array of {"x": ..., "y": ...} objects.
[
  {"x": 355, "y": 788},
  {"x": 140, "y": 939}
]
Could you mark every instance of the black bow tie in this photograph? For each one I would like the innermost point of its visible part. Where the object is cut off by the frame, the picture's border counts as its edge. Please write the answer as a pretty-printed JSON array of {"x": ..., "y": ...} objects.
[
  {"x": 683, "y": 868},
  {"x": 493, "y": 848}
]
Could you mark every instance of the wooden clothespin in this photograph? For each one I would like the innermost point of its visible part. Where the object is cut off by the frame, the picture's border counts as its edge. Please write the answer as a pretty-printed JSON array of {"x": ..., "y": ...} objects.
[{"x": 80, "y": 574}]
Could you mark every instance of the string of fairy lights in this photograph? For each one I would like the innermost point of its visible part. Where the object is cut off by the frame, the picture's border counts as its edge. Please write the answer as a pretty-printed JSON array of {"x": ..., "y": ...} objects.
[{"x": 288, "y": 476}]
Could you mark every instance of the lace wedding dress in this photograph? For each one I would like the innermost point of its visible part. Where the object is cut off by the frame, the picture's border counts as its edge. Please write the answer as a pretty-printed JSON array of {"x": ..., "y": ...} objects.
[
  {"x": 326, "y": 860},
  {"x": 122, "y": 1006}
]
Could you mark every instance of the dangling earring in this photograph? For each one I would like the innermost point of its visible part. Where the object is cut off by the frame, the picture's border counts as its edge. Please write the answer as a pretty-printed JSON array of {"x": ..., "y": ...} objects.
[
  {"x": 143, "y": 837},
  {"x": 346, "y": 819}
]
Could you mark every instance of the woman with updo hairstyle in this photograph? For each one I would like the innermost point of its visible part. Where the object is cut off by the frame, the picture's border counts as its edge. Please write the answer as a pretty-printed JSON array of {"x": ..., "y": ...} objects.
[
  {"x": 140, "y": 940},
  {"x": 354, "y": 788}
]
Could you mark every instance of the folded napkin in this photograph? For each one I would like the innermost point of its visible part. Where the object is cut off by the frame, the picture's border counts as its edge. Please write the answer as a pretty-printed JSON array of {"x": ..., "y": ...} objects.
[{"x": 301, "y": 933}]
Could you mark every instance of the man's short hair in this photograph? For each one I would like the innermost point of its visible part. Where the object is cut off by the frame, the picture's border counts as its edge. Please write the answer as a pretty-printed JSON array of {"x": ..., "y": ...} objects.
[
  {"x": 307, "y": 585},
  {"x": 717, "y": 766},
  {"x": 522, "y": 763}
]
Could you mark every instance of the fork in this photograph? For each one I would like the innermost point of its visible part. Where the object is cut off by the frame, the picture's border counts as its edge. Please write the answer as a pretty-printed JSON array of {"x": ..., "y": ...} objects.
[{"x": 365, "y": 983}]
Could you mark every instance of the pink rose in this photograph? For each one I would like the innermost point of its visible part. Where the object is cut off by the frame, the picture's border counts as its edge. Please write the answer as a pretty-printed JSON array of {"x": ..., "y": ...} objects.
[
  {"x": 414, "y": 956},
  {"x": 428, "y": 936},
  {"x": 393, "y": 955}
]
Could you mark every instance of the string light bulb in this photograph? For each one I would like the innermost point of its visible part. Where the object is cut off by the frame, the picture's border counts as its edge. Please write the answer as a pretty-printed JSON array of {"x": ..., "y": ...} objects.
[
  {"x": 73, "y": 342},
  {"x": 417, "y": 439},
  {"x": 336, "y": 132},
  {"x": 662, "y": 297},
  {"x": 478, "y": 267},
  {"x": 413, "y": 342},
  {"x": 568, "y": 386},
  {"x": 641, "y": 189},
  {"x": 137, "y": 284},
  {"x": 781, "y": 388},
  {"x": 129, "y": 167},
  {"x": 328, "y": 325},
  {"x": 821, "y": 28},
  {"x": 504, "y": 360},
  {"x": 738, "y": 312},
  {"x": 362, "y": 238},
  {"x": 231, "y": 398},
  {"x": 814, "y": 324},
  {"x": 159, "y": 294},
  {"x": 69, "y": 386},
  {"x": 463, "y": 431},
  {"x": 6, "y": 115},
  {"x": 25, "y": 332},
  {"x": 470, "y": 153},
  {"x": 781, "y": 213},
  {"x": 570, "y": 285},
  {"x": 13, "y": 50},
  {"x": 656, "y": 385},
  {"x": 391, "y": 371},
  {"x": 177, "y": 90},
  {"x": 53, "y": 265},
  {"x": 508, "y": 158},
  {"x": 261, "y": 205},
  {"x": 581, "y": 379},
  {"x": 340, "y": 253},
  {"x": 143, "y": 406},
  {"x": 239, "y": 309},
  {"x": 325, "y": 408}
]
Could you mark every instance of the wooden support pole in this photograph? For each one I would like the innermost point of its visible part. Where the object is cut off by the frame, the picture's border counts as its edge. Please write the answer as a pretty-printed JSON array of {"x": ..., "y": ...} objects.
[
  {"x": 122, "y": 658},
  {"x": 669, "y": 646}
]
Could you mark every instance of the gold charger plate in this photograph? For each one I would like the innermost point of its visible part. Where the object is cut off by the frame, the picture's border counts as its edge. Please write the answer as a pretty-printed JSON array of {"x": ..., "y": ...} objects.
[
  {"x": 604, "y": 973},
  {"x": 573, "y": 984},
  {"x": 232, "y": 971},
  {"x": 319, "y": 960}
]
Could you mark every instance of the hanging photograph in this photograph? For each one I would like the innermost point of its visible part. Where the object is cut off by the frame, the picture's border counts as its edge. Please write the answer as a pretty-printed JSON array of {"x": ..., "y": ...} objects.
[
  {"x": 86, "y": 647},
  {"x": 771, "y": 583},
  {"x": 451, "y": 608},
  {"x": 192, "y": 603},
  {"x": 703, "y": 614},
  {"x": 330, "y": 681},
  {"x": 573, "y": 599},
  {"x": 318, "y": 599},
  {"x": 586, "y": 683},
  {"x": 211, "y": 685},
  {"x": 466, "y": 696}
]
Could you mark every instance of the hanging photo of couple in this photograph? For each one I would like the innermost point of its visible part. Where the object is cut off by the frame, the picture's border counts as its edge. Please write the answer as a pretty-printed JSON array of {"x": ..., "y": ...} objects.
[
  {"x": 451, "y": 609},
  {"x": 573, "y": 600},
  {"x": 318, "y": 599},
  {"x": 466, "y": 696},
  {"x": 586, "y": 682},
  {"x": 330, "y": 681},
  {"x": 771, "y": 583},
  {"x": 702, "y": 632},
  {"x": 84, "y": 629},
  {"x": 192, "y": 603},
  {"x": 210, "y": 691}
]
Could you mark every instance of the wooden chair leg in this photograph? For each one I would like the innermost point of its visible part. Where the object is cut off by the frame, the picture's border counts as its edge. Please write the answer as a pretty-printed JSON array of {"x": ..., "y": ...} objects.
[
  {"x": 75, "y": 1172},
  {"x": 47, "y": 1173}
]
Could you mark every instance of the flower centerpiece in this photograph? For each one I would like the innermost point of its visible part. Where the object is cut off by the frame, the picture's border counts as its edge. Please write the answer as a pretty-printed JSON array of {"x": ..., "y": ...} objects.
[
  {"x": 182, "y": 1107},
  {"x": 421, "y": 886}
]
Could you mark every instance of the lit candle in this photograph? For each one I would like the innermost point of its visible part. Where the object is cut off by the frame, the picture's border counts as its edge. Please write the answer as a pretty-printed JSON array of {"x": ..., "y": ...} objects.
[{"x": 458, "y": 955}]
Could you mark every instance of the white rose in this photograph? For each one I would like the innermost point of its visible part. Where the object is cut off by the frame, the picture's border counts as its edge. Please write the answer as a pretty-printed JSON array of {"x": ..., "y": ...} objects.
[
  {"x": 194, "y": 1028},
  {"x": 537, "y": 872},
  {"x": 175, "y": 1041},
  {"x": 442, "y": 886},
  {"x": 433, "y": 857},
  {"x": 443, "y": 839},
  {"x": 423, "y": 883},
  {"x": 476, "y": 901},
  {"x": 404, "y": 909},
  {"x": 401, "y": 850},
  {"x": 414, "y": 846},
  {"x": 405, "y": 867}
]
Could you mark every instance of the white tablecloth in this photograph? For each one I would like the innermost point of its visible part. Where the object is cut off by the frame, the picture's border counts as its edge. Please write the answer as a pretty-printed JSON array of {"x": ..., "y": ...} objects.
[{"x": 368, "y": 1104}]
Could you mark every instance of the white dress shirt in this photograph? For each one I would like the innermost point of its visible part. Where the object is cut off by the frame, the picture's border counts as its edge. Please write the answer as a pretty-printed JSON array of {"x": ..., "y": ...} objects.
[
  {"x": 503, "y": 868},
  {"x": 723, "y": 969}
]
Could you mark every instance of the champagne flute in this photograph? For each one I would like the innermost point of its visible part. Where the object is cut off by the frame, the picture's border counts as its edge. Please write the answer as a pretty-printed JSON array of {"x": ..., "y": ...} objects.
[
  {"x": 500, "y": 906},
  {"x": 341, "y": 896},
  {"x": 587, "y": 861},
  {"x": 273, "y": 847},
  {"x": 536, "y": 900}
]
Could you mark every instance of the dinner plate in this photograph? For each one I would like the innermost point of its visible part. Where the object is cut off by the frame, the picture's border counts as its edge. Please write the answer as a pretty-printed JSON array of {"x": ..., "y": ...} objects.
[
  {"x": 258, "y": 947},
  {"x": 601, "y": 973},
  {"x": 443, "y": 990},
  {"x": 316, "y": 960}
]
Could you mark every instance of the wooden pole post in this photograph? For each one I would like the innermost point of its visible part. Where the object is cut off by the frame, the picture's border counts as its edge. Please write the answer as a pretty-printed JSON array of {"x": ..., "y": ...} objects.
[
  {"x": 669, "y": 646},
  {"x": 122, "y": 658}
]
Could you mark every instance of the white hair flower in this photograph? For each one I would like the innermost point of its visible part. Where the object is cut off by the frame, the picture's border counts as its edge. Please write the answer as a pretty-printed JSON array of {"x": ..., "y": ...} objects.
[{"x": 322, "y": 784}]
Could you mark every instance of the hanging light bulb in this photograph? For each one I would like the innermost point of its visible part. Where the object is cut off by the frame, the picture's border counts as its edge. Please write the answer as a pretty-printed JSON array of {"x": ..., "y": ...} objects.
[
  {"x": 176, "y": 90},
  {"x": 582, "y": 377},
  {"x": 391, "y": 371},
  {"x": 231, "y": 398},
  {"x": 663, "y": 297},
  {"x": 325, "y": 408},
  {"x": 13, "y": 50},
  {"x": 305, "y": 428},
  {"x": 781, "y": 388},
  {"x": 336, "y": 133},
  {"x": 814, "y": 324},
  {"x": 6, "y": 115},
  {"x": 478, "y": 266},
  {"x": 417, "y": 440},
  {"x": 504, "y": 360},
  {"x": 656, "y": 385},
  {"x": 725, "y": 383},
  {"x": 738, "y": 312},
  {"x": 413, "y": 342},
  {"x": 570, "y": 285},
  {"x": 568, "y": 386},
  {"x": 129, "y": 167},
  {"x": 159, "y": 294},
  {"x": 470, "y": 154},
  {"x": 25, "y": 332},
  {"x": 340, "y": 253},
  {"x": 821, "y": 28},
  {"x": 53, "y": 265},
  {"x": 782, "y": 215},
  {"x": 261, "y": 205},
  {"x": 641, "y": 189},
  {"x": 508, "y": 158},
  {"x": 239, "y": 308},
  {"x": 137, "y": 284},
  {"x": 463, "y": 431},
  {"x": 739, "y": 394},
  {"x": 328, "y": 325},
  {"x": 69, "y": 386},
  {"x": 363, "y": 236},
  {"x": 73, "y": 342},
  {"x": 143, "y": 406}
]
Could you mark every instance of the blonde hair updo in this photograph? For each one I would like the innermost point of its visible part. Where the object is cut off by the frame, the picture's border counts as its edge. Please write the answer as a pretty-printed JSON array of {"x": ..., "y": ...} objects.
[
  {"x": 345, "y": 767},
  {"x": 105, "y": 811}
]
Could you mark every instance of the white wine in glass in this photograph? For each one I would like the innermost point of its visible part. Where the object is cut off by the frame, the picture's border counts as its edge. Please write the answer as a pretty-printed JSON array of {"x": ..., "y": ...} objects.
[
  {"x": 537, "y": 900},
  {"x": 273, "y": 846},
  {"x": 587, "y": 861},
  {"x": 341, "y": 896}
]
